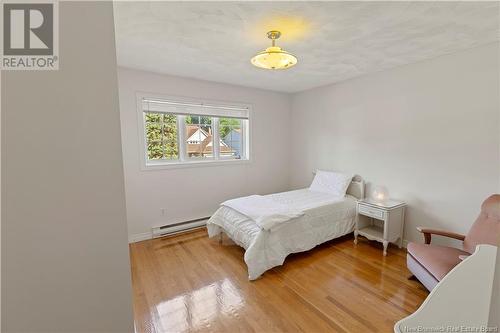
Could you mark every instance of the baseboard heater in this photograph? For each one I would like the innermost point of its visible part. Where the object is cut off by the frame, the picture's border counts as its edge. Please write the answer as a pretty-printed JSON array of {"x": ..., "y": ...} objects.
[{"x": 175, "y": 228}]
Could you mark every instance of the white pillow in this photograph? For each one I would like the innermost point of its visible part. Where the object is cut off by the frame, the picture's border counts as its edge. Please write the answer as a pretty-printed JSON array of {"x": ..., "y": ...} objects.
[{"x": 331, "y": 182}]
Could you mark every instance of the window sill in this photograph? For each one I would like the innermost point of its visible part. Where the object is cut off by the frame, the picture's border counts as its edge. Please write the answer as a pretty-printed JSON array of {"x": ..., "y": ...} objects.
[{"x": 191, "y": 164}]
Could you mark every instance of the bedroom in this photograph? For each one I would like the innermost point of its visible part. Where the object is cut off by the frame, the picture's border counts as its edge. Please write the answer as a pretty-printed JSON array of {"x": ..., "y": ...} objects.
[{"x": 256, "y": 199}]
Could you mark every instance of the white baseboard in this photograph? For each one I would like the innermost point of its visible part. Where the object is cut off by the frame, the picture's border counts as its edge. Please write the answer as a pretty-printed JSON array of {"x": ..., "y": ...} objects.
[{"x": 140, "y": 237}]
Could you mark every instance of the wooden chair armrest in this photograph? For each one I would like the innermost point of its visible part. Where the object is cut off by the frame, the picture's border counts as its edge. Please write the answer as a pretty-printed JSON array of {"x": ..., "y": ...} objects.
[{"x": 428, "y": 232}]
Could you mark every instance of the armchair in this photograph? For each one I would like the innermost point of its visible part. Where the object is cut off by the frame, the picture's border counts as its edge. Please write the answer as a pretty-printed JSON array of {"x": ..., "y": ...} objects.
[{"x": 430, "y": 263}]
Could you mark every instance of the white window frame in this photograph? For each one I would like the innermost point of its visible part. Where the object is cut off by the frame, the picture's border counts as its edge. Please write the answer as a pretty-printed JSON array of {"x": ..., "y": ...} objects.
[{"x": 184, "y": 161}]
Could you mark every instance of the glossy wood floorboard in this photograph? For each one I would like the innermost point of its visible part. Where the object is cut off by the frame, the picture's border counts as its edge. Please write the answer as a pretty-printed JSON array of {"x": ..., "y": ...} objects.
[{"x": 192, "y": 283}]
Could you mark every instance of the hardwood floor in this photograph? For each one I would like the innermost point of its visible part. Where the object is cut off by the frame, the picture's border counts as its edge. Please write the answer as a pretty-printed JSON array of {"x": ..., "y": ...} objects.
[{"x": 192, "y": 283}]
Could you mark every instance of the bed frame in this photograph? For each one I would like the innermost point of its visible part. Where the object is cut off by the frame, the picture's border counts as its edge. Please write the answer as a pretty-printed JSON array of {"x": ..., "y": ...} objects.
[{"x": 357, "y": 187}]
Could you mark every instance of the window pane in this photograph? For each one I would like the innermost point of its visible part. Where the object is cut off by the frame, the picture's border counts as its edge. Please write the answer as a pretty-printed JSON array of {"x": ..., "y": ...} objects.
[
  {"x": 199, "y": 136},
  {"x": 161, "y": 136},
  {"x": 155, "y": 150},
  {"x": 231, "y": 137},
  {"x": 151, "y": 117},
  {"x": 170, "y": 150},
  {"x": 169, "y": 128}
]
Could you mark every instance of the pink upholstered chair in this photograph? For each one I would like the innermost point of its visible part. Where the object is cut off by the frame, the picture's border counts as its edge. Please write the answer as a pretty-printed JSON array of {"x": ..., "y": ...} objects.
[{"x": 430, "y": 263}]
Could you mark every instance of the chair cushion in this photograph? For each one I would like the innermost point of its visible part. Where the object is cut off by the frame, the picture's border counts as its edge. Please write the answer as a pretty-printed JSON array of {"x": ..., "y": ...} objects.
[{"x": 438, "y": 260}]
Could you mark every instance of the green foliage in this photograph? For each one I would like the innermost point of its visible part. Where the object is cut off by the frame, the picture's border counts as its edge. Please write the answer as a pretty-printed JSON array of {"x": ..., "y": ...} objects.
[
  {"x": 205, "y": 122},
  {"x": 228, "y": 124},
  {"x": 199, "y": 120},
  {"x": 161, "y": 136}
]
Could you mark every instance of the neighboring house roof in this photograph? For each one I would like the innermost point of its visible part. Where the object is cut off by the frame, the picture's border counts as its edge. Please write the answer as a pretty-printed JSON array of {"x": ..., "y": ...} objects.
[
  {"x": 202, "y": 143},
  {"x": 191, "y": 131}
]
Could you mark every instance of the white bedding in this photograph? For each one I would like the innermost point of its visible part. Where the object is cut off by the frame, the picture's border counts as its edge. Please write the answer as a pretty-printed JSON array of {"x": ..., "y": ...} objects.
[
  {"x": 325, "y": 217},
  {"x": 267, "y": 212}
]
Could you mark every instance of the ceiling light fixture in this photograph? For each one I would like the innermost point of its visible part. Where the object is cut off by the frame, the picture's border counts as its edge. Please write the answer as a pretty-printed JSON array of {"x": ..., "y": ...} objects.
[{"x": 274, "y": 57}]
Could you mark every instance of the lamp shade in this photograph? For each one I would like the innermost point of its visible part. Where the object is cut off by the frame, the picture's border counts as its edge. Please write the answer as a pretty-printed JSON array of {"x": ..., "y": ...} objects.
[
  {"x": 379, "y": 193},
  {"x": 274, "y": 57}
]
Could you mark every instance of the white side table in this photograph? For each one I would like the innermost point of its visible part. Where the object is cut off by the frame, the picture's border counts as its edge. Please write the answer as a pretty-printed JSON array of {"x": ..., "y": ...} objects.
[{"x": 391, "y": 215}]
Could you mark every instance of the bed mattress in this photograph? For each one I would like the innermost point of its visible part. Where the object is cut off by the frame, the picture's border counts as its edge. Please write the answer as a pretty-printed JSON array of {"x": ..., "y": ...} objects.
[{"x": 325, "y": 218}]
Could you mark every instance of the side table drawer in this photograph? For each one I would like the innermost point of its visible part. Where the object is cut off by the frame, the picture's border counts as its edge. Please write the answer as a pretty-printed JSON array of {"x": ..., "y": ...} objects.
[{"x": 371, "y": 211}]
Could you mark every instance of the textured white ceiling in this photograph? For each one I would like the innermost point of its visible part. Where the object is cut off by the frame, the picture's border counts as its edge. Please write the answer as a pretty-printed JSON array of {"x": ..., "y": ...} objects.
[{"x": 333, "y": 41}]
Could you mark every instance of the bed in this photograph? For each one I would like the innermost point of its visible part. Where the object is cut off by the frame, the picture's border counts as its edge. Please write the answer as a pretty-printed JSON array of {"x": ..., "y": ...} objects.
[{"x": 316, "y": 217}]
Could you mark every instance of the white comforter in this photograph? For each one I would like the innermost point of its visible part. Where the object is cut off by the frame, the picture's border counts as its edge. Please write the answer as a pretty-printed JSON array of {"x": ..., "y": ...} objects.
[
  {"x": 325, "y": 218},
  {"x": 267, "y": 212}
]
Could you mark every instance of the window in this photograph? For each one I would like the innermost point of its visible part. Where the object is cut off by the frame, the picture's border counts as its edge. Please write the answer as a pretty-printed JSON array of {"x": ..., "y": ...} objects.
[{"x": 179, "y": 132}]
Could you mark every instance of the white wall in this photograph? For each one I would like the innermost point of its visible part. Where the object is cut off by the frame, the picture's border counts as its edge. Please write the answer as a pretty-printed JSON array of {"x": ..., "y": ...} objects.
[
  {"x": 65, "y": 265},
  {"x": 428, "y": 131},
  {"x": 189, "y": 193}
]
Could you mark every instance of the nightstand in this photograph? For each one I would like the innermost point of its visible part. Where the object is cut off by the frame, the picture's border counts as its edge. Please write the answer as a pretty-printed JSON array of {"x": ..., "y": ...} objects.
[{"x": 382, "y": 222}]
